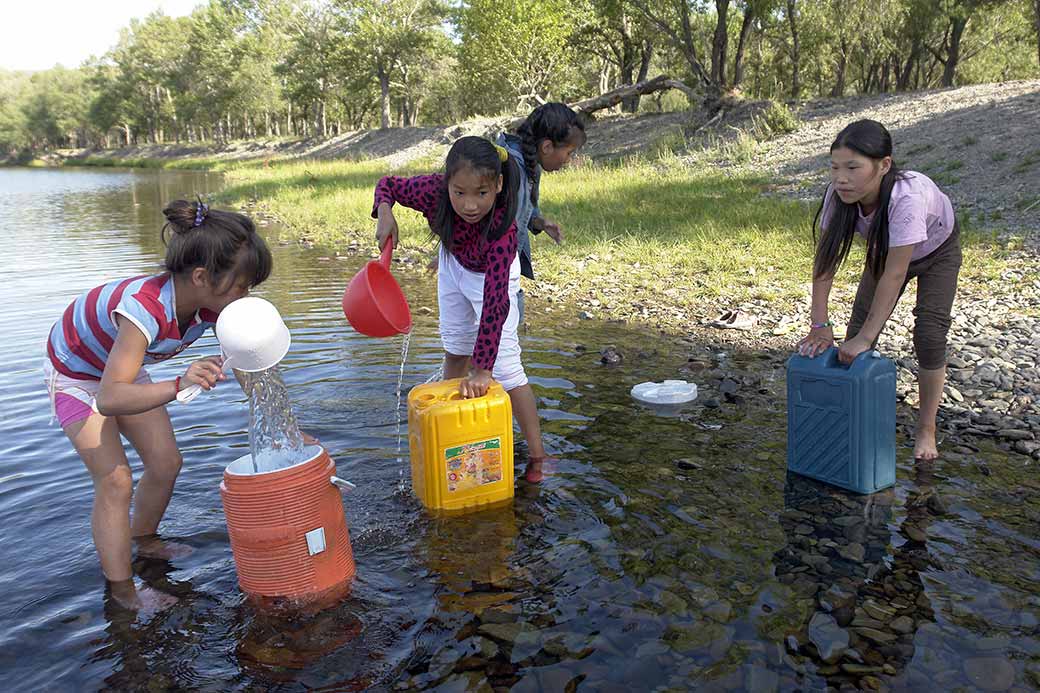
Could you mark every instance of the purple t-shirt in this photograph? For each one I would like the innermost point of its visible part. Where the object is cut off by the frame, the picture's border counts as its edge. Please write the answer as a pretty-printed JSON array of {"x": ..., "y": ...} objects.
[{"x": 919, "y": 214}]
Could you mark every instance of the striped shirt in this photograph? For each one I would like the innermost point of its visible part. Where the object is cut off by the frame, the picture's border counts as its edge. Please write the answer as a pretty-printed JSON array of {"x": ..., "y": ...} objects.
[{"x": 81, "y": 340}]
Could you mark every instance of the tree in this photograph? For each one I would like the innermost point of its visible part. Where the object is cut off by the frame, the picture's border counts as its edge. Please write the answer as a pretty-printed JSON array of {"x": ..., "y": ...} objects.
[
  {"x": 618, "y": 35},
  {"x": 674, "y": 18},
  {"x": 796, "y": 55},
  {"x": 957, "y": 14},
  {"x": 1036, "y": 20},
  {"x": 392, "y": 37},
  {"x": 515, "y": 53}
]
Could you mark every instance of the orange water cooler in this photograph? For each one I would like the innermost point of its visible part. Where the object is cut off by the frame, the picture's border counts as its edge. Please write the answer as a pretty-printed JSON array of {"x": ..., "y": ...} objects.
[{"x": 288, "y": 532}]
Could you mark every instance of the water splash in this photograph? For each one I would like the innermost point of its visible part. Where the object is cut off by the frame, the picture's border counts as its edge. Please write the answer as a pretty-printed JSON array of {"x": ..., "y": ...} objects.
[
  {"x": 275, "y": 440},
  {"x": 405, "y": 341}
]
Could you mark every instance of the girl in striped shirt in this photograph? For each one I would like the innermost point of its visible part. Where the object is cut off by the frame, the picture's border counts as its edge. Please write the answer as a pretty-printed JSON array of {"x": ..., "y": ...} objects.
[{"x": 99, "y": 390}]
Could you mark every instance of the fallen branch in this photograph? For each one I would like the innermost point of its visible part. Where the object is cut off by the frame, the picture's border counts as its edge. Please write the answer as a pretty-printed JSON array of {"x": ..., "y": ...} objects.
[{"x": 626, "y": 91}]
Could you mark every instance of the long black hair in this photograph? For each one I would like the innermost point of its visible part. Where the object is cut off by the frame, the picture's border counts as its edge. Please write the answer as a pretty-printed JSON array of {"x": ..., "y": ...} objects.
[
  {"x": 483, "y": 157},
  {"x": 556, "y": 122},
  {"x": 225, "y": 243},
  {"x": 871, "y": 139}
]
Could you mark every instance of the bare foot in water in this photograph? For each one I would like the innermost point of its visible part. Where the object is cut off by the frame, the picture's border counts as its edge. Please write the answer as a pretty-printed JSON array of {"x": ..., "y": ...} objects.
[
  {"x": 152, "y": 546},
  {"x": 144, "y": 600},
  {"x": 538, "y": 468},
  {"x": 925, "y": 447}
]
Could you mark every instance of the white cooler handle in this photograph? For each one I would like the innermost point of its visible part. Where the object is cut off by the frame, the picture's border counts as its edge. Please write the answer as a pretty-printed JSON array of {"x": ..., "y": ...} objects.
[{"x": 341, "y": 484}]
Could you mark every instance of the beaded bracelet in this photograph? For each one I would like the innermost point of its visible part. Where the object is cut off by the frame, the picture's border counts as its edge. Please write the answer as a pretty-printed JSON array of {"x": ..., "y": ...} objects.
[
  {"x": 818, "y": 325},
  {"x": 177, "y": 384}
]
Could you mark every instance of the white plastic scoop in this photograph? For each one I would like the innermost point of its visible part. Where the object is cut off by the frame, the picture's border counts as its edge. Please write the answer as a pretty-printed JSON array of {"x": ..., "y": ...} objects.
[
  {"x": 667, "y": 392},
  {"x": 252, "y": 338}
]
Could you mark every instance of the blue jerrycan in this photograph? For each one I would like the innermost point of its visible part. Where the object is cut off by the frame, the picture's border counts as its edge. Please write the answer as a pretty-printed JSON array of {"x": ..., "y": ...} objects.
[{"x": 841, "y": 420}]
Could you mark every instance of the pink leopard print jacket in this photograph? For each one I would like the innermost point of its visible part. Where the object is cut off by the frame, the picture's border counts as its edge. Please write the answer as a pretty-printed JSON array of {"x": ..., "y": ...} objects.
[{"x": 471, "y": 249}]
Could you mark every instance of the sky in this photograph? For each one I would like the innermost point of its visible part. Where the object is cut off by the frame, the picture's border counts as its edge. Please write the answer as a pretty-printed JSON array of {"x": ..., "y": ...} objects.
[{"x": 38, "y": 34}]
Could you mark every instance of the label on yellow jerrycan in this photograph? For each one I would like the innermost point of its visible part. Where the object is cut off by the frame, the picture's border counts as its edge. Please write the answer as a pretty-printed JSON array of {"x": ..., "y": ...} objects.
[{"x": 462, "y": 449}]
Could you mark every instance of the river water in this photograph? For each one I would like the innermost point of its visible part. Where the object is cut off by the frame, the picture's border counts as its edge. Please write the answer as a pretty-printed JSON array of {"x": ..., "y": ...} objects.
[{"x": 665, "y": 552}]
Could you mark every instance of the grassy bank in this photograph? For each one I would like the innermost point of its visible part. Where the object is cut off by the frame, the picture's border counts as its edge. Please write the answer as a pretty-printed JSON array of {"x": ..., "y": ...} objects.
[{"x": 660, "y": 239}]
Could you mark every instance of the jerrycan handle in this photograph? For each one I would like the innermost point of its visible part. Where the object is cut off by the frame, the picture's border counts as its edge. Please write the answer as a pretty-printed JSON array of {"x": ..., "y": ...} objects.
[{"x": 832, "y": 361}]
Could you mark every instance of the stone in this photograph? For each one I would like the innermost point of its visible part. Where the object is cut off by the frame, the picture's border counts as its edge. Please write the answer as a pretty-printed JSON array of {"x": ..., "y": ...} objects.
[
  {"x": 902, "y": 624},
  {"x": 836, "y": 598},
  {"x": 914, "y": 532},
  {"x": 830, "y": 639},
  {"x": 878, "y": 612},
  {"x": 719, "y": 611},
  {"x": 503, "y": 632},
  {"x": 759, "y": 678},
  {"x": 878, "y": 636},
  {"x": 990, "y": 673},
  {"x": 853, "y": 552}
]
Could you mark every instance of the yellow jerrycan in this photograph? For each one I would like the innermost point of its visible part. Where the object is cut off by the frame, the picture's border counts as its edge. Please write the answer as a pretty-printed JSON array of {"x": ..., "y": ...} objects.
[{"x": 462, "y": 449}]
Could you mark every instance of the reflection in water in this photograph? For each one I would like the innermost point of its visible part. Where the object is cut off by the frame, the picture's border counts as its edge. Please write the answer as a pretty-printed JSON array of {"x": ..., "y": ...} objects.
[{"x": 666, "y": 551}]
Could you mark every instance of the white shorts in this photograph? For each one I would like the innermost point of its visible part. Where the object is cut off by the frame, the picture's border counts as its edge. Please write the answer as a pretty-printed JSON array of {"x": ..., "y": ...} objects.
[{"x": 460, "y": 298}]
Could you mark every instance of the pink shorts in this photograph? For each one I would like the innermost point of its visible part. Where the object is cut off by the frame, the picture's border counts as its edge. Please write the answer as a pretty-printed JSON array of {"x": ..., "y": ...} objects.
[{"x": 72, "y": 400}]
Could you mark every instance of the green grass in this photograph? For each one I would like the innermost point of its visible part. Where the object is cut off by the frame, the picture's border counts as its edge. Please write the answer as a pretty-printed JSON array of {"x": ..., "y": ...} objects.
[
  {"x": 646, "y": 231},
  {"x": 635, "y": 230},
  {"x": 1028, "y": 161},
  {"x": 997, "y": 157},
  {"x": 196, "y": 163}
]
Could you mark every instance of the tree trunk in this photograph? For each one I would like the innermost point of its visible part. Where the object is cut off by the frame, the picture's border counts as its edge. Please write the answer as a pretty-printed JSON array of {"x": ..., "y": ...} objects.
[
  {"x": 384, "y": 96},
  {"x": 903, "y": 81},
  {"x": 288, "y": 120},
  {"x": 720, "y": 43},
  {"x": 604, "y": 77},
  {"x": 738, "y": 60},
  {"x": 843, "y": 63},
  {"x": 953, "y": 51},
  {"x": 1036, "y": 20},
  {"x": 646, "y": 55},
  {"x": 792, "y": 20}
]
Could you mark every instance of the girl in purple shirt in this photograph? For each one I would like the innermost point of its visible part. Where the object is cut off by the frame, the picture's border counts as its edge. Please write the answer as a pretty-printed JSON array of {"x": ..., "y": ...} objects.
[
  {"x": 471, "y": 209},
  {"x": 910, "y": 231}
]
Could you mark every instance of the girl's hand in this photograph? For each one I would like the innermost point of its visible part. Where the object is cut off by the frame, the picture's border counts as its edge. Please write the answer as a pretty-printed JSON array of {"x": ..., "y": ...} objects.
[
  {"x": 820, "y": 339},
  {"x": 853, "y": 348},
  {"x": 476, "y": 384},
  {"x": 386, "y": 227},
  {"x": 553, "y": 231},
  {"x": 308, "y": 439},
  {"x": 204, "y": 372}
]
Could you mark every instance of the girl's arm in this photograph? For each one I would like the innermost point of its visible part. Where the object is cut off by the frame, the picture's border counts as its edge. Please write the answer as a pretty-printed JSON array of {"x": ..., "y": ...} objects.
[
  {"x": 421, "y": 193},
  {"x": 119, "y": 395},
  {"x": 885, "y": 296},
  {"x": 821, "y": 334},
  {"x": 495, "y": 309}
]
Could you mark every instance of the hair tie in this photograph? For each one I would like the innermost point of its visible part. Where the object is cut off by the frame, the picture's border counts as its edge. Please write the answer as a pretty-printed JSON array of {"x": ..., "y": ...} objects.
[
  {"x": 201, "y": 210},
  {"x": 503, "y": 154}
]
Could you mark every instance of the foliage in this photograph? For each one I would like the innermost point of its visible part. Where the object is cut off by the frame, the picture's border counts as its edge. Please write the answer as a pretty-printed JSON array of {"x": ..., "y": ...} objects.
[{"x": 276, "y": 68}]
